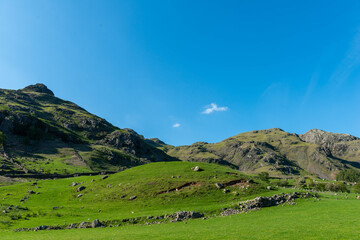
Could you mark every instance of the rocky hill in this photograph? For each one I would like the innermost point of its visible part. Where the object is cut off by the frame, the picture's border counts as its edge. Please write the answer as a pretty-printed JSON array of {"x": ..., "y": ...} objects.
[
  {"x": 41, "y": 134},
  {"x": 46, "y": 135},
  {"x": 316, "y": 152}
]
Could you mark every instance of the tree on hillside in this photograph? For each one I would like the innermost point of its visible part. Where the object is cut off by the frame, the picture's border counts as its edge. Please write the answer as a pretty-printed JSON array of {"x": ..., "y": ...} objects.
[
  {"x": 264, "y": 176},
  {"x": 348, "y": 175}
]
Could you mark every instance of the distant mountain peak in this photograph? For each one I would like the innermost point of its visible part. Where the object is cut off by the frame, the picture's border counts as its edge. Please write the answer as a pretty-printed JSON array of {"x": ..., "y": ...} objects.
[
  {"x": 40, "y": 88},
  {"x": 319, "y": 136}
]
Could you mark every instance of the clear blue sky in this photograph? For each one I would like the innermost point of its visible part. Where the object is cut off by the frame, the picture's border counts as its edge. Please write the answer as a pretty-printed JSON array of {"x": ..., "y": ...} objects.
[{"x": 156, "y": 66}]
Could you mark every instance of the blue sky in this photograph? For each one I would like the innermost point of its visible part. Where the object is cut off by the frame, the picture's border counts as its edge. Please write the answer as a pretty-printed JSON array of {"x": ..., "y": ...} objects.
[{"x": 187, "y": 71}]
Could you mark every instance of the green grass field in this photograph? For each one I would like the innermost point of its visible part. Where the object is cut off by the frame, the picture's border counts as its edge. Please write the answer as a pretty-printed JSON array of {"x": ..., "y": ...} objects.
[
  {"x": 326, "y": 219},
  {"x": 333, "y": 217}
]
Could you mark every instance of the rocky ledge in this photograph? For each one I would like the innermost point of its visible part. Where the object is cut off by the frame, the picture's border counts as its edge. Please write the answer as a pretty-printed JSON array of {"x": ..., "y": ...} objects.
[{"x": 261, "y": 202}]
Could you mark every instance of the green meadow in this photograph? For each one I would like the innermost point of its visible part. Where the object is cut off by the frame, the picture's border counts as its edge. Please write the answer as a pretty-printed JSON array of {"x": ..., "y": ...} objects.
[{"x": 333, "y": 216}]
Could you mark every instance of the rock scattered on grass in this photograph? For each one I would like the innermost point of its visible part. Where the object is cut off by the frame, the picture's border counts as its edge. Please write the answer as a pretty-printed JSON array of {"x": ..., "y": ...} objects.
[
  {"x": 79, "y": 196},
  {"x": 184, "y": 215},
  {"x": 132, "y": 197},
  {"x": 196, "y": 169},
  {"x": 96, "y": 223},
  {"x": 104, "y": 177},
  {"x": 219, "y": 185},
  {"x": 80, "y": 188},
  {"x": 74, "y": 184}
]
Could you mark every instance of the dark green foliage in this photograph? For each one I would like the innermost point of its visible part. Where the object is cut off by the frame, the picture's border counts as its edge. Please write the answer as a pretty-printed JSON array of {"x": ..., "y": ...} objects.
[
  {"x": 319, "y": 186},
  {"x": 2, "y": 138},
  {"x": 282, "y": 183},
  {"x": 309, "y": 183},
  {"x": 264, "y": 176},
  {"x": 300, "y": 183},
  {"x": 336, "y": 187},
  {"x": 357, "y": 188},
  {"x": 348, "y": 175}
]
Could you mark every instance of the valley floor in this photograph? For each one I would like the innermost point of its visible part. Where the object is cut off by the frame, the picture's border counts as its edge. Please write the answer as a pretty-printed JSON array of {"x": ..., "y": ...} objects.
[{"x": 333, "y": 217}]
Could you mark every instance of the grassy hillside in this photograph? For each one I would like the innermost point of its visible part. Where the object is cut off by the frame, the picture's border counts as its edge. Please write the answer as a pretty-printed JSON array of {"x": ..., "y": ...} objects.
[
  {"x": 154, "y": 186},
  {"x": 43, "y": 134},
  {"x": 330, "y": 217}
]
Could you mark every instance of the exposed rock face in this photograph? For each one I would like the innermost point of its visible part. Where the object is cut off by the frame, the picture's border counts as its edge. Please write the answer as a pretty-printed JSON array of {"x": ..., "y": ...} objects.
[
  {"x": 40, "y": 88},
  {"x": 321, "y": 137},
  {"x": 130, "y": 142}
]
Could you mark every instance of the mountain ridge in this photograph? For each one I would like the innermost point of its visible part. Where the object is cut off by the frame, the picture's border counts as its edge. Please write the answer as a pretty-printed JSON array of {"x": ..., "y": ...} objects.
[{"x": 48, "y": 135}]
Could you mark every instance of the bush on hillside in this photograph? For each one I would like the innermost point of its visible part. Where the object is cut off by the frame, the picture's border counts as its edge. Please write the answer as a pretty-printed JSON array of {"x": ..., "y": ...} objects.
[
  {"x": 348, "y": 175},
  {"x": 300, "y": 182},
  {"x": 336, "y": 187},
  {"x": 264, "y": 176},
  {"x": 282, "y": 183},
  {"x": 309, "y": 183},
  {"x": 357, "y": 188},
  {"x": 319, "y": 186}
]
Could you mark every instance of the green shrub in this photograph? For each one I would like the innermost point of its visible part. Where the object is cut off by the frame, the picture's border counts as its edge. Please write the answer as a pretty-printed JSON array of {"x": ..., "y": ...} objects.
[
  {"x": 300, "y": 183},
  {"x": 336, "y": 187},
  {"x": 319, "y": 186},
  {"x": 309, "y": 183},
  {"x": 264, "y": 176},
  {"x": 357, "y": 188},
  {"x": 348, "y": 175},
  {"x": 282, "y": 183}
]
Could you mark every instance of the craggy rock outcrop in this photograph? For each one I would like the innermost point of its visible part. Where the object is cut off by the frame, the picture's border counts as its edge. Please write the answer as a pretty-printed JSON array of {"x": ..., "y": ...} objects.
[
  {"x": 130, "y": 142},
  {"x": 321, "y": 137},
  {"x": 40, "y": 88},
  {"x": 261, "y": 202}
]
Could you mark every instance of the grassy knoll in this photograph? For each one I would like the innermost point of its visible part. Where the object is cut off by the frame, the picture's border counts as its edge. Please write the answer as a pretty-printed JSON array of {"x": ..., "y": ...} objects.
[{"x": 109, "y": 198}]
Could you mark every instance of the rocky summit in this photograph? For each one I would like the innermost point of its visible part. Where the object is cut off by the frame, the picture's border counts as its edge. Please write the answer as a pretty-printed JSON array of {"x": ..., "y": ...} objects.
[{"x": 46, "y": 135}]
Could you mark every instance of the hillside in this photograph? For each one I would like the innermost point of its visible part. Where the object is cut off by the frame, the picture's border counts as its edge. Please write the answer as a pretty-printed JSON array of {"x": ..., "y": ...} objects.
[
  {"x": 156, "y": 188},
  {"x": 47, "y": 135},
  {"x": 316, "y": 152}
]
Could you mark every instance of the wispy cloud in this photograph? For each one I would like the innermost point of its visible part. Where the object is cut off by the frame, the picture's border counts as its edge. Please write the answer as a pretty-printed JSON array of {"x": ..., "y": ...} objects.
[
  {"x": 176, "y": 125},
  {"x": 348, "y": 63},
  {"x": 214, "y": 108}
]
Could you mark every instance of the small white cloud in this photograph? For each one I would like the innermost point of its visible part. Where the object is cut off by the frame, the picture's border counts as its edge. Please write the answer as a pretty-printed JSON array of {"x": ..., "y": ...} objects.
[
  {"x": 176, "y": 125},
  {"x": 214, "y": 108}
]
